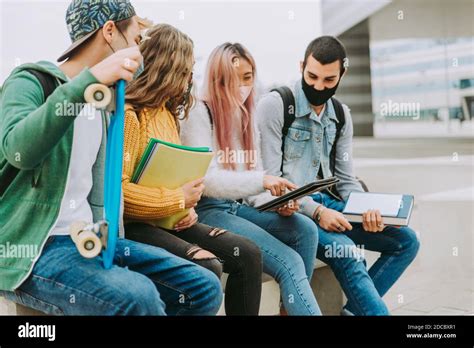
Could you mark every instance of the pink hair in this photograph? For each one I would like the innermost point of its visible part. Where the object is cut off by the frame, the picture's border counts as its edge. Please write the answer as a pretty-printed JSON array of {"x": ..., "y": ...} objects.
[{"x": 222, "y": 95}]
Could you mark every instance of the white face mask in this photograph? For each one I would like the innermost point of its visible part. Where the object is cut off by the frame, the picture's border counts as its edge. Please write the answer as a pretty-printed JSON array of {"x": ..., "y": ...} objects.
[{"x": 245, "y": 92}]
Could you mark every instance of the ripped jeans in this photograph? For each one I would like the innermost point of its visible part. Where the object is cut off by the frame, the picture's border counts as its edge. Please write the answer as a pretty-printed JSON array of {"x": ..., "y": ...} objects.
[{"x": 234, "y": 254}]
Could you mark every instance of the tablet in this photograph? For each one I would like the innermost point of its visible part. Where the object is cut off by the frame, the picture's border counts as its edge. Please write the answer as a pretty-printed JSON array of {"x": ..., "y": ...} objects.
[{"x": 305, "y": 190}]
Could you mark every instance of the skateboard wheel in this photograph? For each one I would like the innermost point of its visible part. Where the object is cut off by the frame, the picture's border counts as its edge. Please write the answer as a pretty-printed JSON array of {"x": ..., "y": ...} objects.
[
  {"x": 99, "y": 95},
  {"x": 76, "y": 228},
  {"x": 88, "y": 244}
]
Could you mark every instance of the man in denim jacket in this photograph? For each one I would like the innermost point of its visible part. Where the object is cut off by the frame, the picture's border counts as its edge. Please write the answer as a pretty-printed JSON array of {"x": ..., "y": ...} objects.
[{"x": 306, "y": 157}]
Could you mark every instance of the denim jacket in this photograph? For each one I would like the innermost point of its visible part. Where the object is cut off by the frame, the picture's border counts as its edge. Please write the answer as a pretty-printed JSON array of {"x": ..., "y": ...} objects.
[{"x": 307, "y": 146}]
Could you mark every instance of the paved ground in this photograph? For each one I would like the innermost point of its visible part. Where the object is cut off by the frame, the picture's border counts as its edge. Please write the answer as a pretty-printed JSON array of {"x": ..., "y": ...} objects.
[{"x": 440, "y": 173}]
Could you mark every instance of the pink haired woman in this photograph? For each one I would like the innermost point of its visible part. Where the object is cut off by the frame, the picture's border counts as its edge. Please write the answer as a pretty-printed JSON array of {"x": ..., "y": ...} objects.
[{"x": 224, "y": 121}]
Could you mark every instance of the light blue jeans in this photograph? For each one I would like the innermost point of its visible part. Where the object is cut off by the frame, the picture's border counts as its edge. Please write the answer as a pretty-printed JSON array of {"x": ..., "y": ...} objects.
[
  {"x": 144, "y": 280},
  {"x": 364, "y": 288},
  {"x": 288, "y": 246}
]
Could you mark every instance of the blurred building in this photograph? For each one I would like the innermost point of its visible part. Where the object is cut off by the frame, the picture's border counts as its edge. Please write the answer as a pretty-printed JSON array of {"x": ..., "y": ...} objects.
[{"x": 409, "y": 60}]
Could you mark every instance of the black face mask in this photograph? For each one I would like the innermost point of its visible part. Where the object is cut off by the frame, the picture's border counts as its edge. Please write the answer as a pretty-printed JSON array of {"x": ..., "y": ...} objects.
[{"x": 316, "y": 97}]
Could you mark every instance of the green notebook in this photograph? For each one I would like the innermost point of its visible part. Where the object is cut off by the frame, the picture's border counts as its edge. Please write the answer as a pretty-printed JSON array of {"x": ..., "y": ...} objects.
[
  {"x": 150, "y": 148},
  {"x": 170, "y": 165}
]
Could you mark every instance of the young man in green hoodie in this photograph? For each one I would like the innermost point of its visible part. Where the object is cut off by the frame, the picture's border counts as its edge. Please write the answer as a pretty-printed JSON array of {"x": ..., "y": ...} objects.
[{"x": 52, "y": 174}]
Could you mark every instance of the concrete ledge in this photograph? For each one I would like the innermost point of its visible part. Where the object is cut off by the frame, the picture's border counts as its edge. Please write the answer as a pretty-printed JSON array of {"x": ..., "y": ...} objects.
[
  {"x": 10, "y": 308},
  {"x": 327, "y": 290}
]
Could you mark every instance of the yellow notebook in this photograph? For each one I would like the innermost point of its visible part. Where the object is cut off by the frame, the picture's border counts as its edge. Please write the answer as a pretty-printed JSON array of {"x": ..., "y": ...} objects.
[{"x": 170, "y": 165}]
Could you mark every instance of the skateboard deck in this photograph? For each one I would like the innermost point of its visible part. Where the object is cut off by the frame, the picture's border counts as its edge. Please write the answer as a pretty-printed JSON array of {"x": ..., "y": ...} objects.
[
  {"x": 113, "y": 173},
  {"x": 92, "y": 238}
]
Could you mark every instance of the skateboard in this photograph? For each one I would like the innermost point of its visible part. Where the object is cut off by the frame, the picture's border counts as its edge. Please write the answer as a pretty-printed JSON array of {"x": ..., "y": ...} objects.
[
  {"x": 102, "y": 236},
  {"x": 90, "y": 239}
]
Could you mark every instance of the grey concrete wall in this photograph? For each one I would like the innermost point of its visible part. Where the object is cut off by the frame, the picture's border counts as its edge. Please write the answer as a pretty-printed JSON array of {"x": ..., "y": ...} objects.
[
  {"x": 423, "y": 18},
  {"x": 355, "y": 88}
]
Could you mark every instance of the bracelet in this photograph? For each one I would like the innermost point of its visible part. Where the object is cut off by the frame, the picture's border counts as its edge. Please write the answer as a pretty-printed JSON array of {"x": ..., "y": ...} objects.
[{"x": 318, "y": 212}]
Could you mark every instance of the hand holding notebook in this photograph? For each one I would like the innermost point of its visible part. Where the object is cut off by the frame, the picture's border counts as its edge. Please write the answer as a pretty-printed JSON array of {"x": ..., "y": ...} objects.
[
  {"x": 394, "y": 208},
  {"x": 170, "y": 165},
  {"x": 192, "y": 192}
]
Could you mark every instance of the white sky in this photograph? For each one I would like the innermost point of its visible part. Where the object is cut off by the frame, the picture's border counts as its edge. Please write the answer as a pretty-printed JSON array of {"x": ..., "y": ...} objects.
[{"x": 275, "y": 32}]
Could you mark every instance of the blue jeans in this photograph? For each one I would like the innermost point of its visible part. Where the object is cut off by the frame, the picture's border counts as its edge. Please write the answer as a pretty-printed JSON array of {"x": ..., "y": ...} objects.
[
  {"x": 288, "y": 246},
  {"x": 364, "y": 288},
  {"x": 144, "y": 280}
]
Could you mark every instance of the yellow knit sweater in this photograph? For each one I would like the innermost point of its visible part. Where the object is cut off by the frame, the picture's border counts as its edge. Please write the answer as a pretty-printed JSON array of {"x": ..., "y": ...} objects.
[{"x": 146, "y": 203}]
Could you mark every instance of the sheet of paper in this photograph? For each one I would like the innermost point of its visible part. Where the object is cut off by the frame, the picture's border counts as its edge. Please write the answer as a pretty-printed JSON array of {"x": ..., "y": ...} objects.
[{"x": 387, "y": 204}]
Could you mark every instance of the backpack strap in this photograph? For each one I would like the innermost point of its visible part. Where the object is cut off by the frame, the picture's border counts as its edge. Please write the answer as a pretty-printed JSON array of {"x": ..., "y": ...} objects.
[
  {"x": 341, "y": 122},
  {"x": 288, "y": 114},
  {"x": 332, "y": 156},
  {"x": 48, "y": 85}
]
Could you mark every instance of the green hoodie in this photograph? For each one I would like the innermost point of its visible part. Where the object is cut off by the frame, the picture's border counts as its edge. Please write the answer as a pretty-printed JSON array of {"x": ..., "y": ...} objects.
[{"x": 38, "y": 142}]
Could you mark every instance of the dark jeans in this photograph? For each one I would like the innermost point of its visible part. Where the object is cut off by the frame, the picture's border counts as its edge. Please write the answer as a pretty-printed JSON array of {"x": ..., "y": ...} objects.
[{"x": 240, "y": 257}]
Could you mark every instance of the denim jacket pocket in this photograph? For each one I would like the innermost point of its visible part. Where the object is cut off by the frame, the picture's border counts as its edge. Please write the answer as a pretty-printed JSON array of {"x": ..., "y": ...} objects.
[
  {"x": 295, "y": 142},
  {"x": 330, "y": 135}
]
